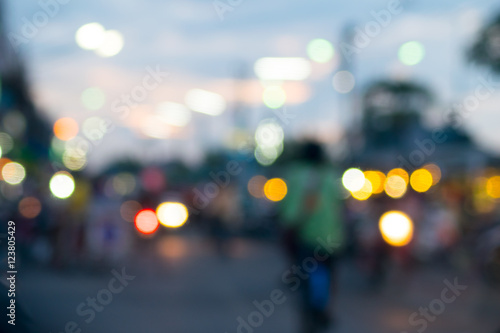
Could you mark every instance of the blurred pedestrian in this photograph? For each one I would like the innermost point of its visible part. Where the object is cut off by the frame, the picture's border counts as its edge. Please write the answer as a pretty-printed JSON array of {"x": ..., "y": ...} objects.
[
  {"x": 224, "y": 216},
  {"x": 312, "y": 218}
]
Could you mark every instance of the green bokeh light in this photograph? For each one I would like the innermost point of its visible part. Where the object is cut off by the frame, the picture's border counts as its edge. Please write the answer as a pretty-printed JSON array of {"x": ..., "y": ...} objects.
[
  {"x": 320, "y": 50},
  {"x": 411, "y": 53},
  {"x": 274, "y": 97}
]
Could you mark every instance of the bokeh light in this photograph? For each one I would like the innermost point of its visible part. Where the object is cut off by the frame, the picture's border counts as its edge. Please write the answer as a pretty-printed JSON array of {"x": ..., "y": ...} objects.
[
  {"x": 274, "y": 97},
  {"x": 74, "y": 160},
  {"x": 153, "y": 126},
  {"x": 77, "y": 145},
  {"x": 93, "y": 98},
  {"x": 396, "y": 228},
  {"x": 13, "y": 173},
  {"x": 256, "y": 186},
  {"x": 205, "y": 102},
  {"x": 62, "y": 185},
  {"x": 320, "y": 50},
  {"x": 482, "y": 200},
  {"x": 266, "y": 156},
  {"x": 172, "y": 214},
  {"x": 493, "y": 187},
  {"x": 94, "y": 128},
  {"x": 152, "y": 179},
  {"x": 377, "y": 179},
  {"x": 6, "y": 142},
  {"x": 30, "y": 207},
  {"x": 365, "y": 192},
  {"x": 90, "y": 36},
  {"x": 3, "y": 161},
  {"x": 124, "y": 183},
  {"x": 129, "y": 209},
  {"x": 111, "y": 44},
  {"x": 395, "y": 186},
  {"x": 275, "y": 189},
  {"x": 343, "y": 82},
  {"x": 353, "y": 179},
  {"x": 411, "y": 53},
  {"x": 173, "y": 247},
  {"x": 146, "y": 221},
  {"x": 269, "y": 134},
  {"x": 278, "y": 69},
  {"x": 399, "y": 172},
  {"x": 65, "y": 128},
  {"x": 421, "y": 180},
  {"x": 173, "y": 114},
  {"x": 435, "y": 172},
  {"x": 57, "y": 146}
]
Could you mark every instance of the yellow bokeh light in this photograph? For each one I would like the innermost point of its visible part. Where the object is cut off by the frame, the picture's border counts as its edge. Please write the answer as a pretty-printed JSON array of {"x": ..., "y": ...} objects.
[
  {"x": 396, "y": 228},
  {"x": 74, "y": 159},
  {"x": 256, "y": 186},
  {"x": 13, "y": 173},
  {"x": 365, "y": 192},
  {"x": 377, "y": 179},
  {"x": 353, "y": 179},
  {"x": 62, "y": 185},
  {"x": 395, "y": 186},
  {"x": 435, "y": 172},
  {"x": 172, "y": 214},
  {"x": 421, "y": 180},
  {"x": 401, "y": 173},
  {"x": 493, "y": 187},
  {"x": 275, "y": 189}
]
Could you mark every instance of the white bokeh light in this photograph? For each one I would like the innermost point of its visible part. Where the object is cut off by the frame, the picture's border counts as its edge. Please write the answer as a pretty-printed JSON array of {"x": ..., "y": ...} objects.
[
  {"x": 90, "y": 36},
  {"x": 111, "y": 45}
]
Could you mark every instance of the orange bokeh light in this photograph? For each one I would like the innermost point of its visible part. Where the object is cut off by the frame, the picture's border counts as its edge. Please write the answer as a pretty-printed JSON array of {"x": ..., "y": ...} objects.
[
  {"x": 146, "y": 221},
  {"x": 65, "y": 128},
  {"x": 3, "y": 161},
  {"x": 275, "y": 189},
  {"x": 30, "y": 207},
  {"x": 256, "y": 186}
]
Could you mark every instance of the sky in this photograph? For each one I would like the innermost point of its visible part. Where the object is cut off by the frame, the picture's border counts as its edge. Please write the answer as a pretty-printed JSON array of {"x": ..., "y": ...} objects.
[{"x": 199, "y": 48}]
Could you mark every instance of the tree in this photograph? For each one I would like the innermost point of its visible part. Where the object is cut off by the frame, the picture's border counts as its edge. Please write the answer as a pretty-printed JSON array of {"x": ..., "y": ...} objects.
[
  {"x": 391, "y": 109},
  {"x": 486, "y": 50}
]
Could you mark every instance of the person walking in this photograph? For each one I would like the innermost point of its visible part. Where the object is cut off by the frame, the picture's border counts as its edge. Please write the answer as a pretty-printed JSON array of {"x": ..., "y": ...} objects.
[{"x": 311, "y": 216}]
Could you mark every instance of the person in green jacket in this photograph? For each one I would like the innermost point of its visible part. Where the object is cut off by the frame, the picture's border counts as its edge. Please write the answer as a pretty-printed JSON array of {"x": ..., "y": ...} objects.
[{"x": 311, "y": 217}]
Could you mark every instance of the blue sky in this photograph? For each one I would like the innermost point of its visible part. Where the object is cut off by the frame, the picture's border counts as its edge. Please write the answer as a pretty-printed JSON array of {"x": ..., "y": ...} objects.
[{"x": 187, "y": 39}]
